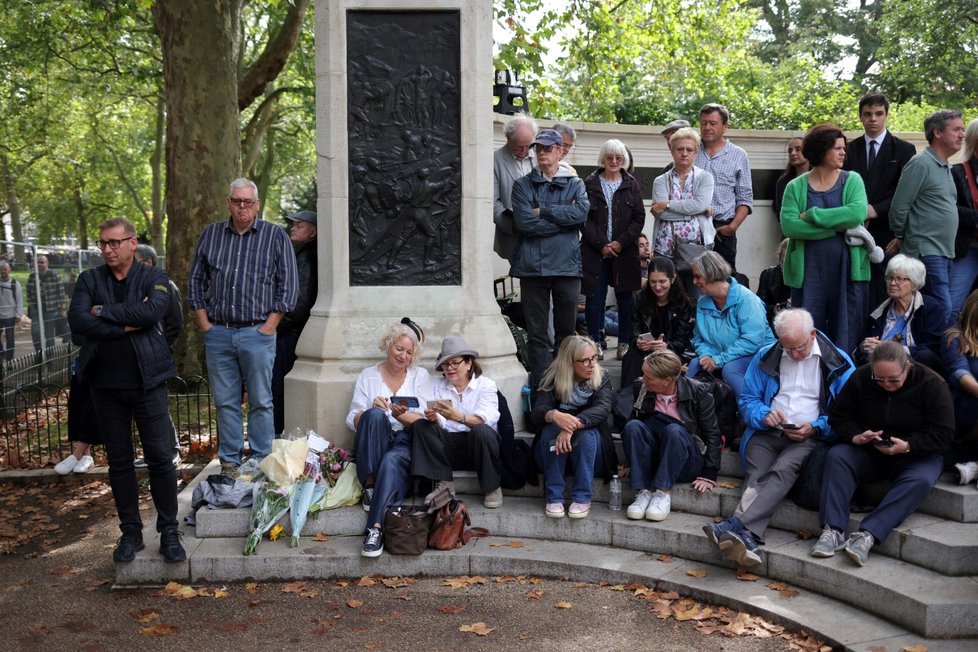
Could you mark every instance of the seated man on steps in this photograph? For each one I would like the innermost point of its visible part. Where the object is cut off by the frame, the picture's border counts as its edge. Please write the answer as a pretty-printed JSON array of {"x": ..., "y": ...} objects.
[{"x": 787, "y": 392}]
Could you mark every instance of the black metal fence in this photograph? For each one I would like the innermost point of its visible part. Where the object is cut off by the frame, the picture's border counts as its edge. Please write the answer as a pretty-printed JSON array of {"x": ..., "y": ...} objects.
[{"x": 34, "y": 410}]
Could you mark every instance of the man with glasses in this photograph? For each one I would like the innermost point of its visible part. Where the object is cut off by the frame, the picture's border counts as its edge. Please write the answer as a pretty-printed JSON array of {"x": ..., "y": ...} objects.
[
  {"x": 510, "y": 162},
  {"x": 115, "y": 316},
  {"x": 893, "y": 420},
  {"x": 788, "y": 390},
  {"x": 242, "y": 281},
  {"x": 550, "y": 206}
]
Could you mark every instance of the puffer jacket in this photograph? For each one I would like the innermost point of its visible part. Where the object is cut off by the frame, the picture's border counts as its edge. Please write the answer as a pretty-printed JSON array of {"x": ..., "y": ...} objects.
[
  {"x": 549, "y": 242},
  {"x": 147, "y": 297}
]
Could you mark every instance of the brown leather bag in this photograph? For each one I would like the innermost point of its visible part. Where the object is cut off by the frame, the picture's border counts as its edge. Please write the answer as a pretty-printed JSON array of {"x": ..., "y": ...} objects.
[{"x": 448, "y": 530}]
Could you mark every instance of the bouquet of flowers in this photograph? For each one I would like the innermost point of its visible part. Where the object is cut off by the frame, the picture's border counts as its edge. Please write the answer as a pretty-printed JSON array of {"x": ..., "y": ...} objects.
[
  {"x": 332, "y": 462},
  {"x": 271, "y": 501},
  {"x": 310, "y": 487}
]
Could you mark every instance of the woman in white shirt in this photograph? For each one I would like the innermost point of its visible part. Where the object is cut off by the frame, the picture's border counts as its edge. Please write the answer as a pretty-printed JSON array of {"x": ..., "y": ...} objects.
[
  {"x": 383, "y": 441},
  {"x": 460, "y": 431}
]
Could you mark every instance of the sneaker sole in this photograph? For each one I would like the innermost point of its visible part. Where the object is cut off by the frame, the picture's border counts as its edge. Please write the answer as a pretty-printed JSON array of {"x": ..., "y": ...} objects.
[
  {"x": 580, "y": 515},
  {"x": 709, "y": 535},
  {"x": 736, "y": 551},
  {"x": 636, "y": 516},
  {"x": 855, "y": 557},
  {"x": 822, "y": 554},
  {"x": 656, "y": 517},
  {"x": 371, "y": 553},
  {"x": 492, "y": 505},
  {"x": 171, "y": 560},
  {"x": 140, "y": 547},
  {"x": 555, "y": 514}
]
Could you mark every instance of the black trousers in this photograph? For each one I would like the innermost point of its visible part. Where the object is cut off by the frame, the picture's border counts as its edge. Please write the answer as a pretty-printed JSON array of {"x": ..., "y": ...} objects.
[
  {"x": 726, "y": 246},
  {"x": 116, "y": 409},
  {"x": 285, "y": 358},
  {"x": 437, "y": 452}
]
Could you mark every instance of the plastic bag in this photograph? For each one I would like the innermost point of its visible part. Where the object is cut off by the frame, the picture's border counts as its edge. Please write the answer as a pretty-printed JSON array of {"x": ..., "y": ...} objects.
[
  {"x": 310, "y": 487},
  {"x": 346, "y": 491},
  {"x": 286, "y": 461}
]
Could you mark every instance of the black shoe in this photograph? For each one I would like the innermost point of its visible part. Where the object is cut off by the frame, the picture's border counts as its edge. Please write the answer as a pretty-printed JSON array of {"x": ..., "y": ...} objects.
[
  {"x": 368, "y": 497},
  {"x": 170, "y": 546},
  {"x": 741, "y": 547},
  {"x": 129, "y": 544},
  {"x": 373, "y": 543}
]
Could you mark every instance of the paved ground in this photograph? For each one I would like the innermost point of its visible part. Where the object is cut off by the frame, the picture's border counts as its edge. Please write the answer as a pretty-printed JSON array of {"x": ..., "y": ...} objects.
[{"x": 56, "y": 573}]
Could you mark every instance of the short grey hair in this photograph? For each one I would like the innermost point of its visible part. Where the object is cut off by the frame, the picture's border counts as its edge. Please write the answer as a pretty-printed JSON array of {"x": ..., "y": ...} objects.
[
  {"x": 714, "y": 107},
  {"x": 890, "y": 351},
  {"x": 519, "y": 121},
  {"x": 912, "y": 268},
  {"x": 685, "y": 133},
  {"x": 566, "y": 130},
  {"x": 937, "y": 121},
  {"x": 3, "y": 264},
  {"x": 243, "y": 183},
  {"x": 711, "y": 266},
  {"x": 146, "y": 252},
  {"x": 786, "y": 321},
  {"x": 614, "y": 146}
]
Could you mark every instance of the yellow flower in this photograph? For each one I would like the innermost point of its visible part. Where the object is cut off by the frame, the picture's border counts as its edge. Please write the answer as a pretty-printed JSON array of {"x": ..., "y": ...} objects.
[{"x": 275, "y": 532}]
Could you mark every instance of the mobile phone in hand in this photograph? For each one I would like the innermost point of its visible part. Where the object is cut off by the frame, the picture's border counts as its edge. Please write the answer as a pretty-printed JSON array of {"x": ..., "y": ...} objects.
[
  {"x": 406, "y": 401},
  {"x": 886, "y": 442},
  {"x": 787, "y": 426}
]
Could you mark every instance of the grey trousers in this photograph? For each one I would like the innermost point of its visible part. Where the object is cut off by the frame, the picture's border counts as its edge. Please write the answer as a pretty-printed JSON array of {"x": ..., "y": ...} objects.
[{"x": 773, "y": 465}]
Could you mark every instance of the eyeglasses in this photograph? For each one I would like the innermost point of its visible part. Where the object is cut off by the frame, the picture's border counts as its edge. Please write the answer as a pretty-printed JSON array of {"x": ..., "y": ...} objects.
[
  {"x": 453, "y": 364},
  {"x": 899, "y": 280},
  {"x": 242, "y": 202},
  {"x": 889, "y": 381},
  {"x": 545, "y": 148},
  {"x": 113, "y": 244},
  {"x": 612, "y": 158},
  {"x": 799, "y": 348},
  {"x": 588, "y": 362}
]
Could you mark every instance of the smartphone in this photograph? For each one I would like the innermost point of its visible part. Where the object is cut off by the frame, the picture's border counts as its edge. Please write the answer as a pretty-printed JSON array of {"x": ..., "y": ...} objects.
[
  {"x": 787, "y": 426},
  {"x": 646, "y": 336},
  {"x": 406, "y": 401},
  {"x": 886, "y": 442},
  {"x": 440, "y": 403}
]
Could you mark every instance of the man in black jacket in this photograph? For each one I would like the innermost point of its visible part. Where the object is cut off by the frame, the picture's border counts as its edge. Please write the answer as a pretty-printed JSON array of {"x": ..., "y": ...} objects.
[
  {"x": 303, "y": 236},
  {"x": 878, "y": 156},
  {"x": 115, "y": 316}
]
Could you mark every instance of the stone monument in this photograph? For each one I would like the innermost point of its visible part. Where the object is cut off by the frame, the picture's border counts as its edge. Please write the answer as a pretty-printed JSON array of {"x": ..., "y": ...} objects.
[{"x": 404, "y": 149}]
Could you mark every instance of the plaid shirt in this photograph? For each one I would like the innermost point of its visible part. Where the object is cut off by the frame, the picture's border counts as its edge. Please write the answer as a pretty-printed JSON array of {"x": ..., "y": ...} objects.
[
  {"x": 242, "y": 278},
  {"x": 731, "y": 180},
  {"x": 52, "y": 295}
]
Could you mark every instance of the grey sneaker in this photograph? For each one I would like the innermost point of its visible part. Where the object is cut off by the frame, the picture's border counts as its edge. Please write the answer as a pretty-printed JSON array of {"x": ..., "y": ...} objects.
[
  {"x": 636, "y": 511},
  {"x": 827, "y": 544},
  {"x": 858, "y": 545},
  {"x": 714, "y": 531},
  {"x": 229, "y": 469},
  {"x": 968, "y": 471},
  {"x": 493, "y": 499}
]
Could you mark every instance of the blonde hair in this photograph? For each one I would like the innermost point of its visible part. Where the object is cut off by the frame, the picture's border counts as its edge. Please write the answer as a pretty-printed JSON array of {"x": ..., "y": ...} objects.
[
  {"x": 396, "y": 332},
  {"x": 663, "y": 363},
  {"x": 966, "y": 330},
  {"x": 559, "y": 376}
]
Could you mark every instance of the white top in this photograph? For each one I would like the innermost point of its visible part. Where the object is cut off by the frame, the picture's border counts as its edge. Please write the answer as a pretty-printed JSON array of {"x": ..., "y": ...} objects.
[
  {"x": 370, "y": 385},
  {"x": 478, "y": 398},
  {"x": 801, "y": 383}
]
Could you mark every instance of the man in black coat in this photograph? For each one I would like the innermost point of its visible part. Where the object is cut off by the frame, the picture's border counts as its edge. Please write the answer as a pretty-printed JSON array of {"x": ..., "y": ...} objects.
[
  {"x": 878, "y": 156},
  {"x": 303, "y": 236}
]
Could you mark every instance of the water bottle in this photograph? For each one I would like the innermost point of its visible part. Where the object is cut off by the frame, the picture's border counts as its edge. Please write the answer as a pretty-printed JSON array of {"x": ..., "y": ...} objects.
[
  {"x": 614, "y": 499},
  {"x": 525, "y": 398}
]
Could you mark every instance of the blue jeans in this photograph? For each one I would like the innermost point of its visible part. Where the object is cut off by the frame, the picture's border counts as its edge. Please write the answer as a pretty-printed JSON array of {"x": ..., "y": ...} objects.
[
  {"x": 938, "y": 284},
  {"x": 585, "y": 457},
  {"x": 384, "y": 454},
  {"x": 594, "y": 307},
  {"x": 964, "y": 271},
  {"x": 732, "y": 373},
  {"x": 237, "y": 356},
  {"x": 660, "y": 457}
]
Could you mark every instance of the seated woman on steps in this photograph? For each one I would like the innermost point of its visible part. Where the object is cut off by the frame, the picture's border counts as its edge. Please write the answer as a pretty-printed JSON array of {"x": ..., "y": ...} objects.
[
  {"x": 571, "y": 414},
  {"x": 383, "y": 441},
  {"x": 459, "y": 431}
]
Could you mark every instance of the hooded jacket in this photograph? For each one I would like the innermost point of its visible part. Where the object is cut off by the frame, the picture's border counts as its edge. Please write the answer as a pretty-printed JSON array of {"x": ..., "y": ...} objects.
[{"x": 548, "y": 242}]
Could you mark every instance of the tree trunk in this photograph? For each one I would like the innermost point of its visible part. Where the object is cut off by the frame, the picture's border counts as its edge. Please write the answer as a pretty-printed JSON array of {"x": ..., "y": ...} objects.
[
  {"x": 81, "y": 214},
  {"x": 156, "y": 168},
  {"x": 13, "y": 205},
  {"x": 203, "y": 139}
]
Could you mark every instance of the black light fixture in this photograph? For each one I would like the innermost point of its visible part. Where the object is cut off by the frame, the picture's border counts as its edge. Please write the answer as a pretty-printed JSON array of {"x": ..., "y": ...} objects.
[{"x": 510, "y": 97}]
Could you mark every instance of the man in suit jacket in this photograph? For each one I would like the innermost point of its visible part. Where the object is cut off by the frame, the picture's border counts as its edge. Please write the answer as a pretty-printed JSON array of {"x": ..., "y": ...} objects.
[
  {"x": 510, "y": 162},
  {"x": 889, "y": 154}
]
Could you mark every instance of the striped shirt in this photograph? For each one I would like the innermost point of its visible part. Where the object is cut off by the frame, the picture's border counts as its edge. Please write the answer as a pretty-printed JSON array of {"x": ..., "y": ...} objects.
[
  {"x": 731, "y": 180},
  {"x": 242, "y": 278}
]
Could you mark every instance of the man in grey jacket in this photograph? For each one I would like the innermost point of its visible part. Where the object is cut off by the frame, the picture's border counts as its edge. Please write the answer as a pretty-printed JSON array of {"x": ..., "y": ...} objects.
[
  {"x": 550, "y": 206},
  {"x": 11, "y": 308},
  {"x": 510, "y": 162}
]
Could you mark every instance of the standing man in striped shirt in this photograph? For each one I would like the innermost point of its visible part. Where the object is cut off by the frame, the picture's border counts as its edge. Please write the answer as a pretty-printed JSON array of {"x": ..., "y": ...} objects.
[{"x": 242, "y": 281}]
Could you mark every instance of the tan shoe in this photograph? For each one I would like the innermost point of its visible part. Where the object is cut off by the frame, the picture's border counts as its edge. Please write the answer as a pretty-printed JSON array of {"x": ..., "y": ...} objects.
[{"x": 493, "y": 499}]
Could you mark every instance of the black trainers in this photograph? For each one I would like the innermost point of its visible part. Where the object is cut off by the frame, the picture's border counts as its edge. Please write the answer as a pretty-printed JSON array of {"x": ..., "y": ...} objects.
[
  {"x": 170, "y": 546},
  {"x": 129, "y": 544},
  {"x": 368, "y": 497},
  {"x": 714, "y": 531},
  {"x": 373, "y": 543}
]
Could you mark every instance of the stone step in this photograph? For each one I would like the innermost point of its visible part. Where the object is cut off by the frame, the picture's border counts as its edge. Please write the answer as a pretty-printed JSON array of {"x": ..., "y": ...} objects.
[{"x": 607, "y": 547}]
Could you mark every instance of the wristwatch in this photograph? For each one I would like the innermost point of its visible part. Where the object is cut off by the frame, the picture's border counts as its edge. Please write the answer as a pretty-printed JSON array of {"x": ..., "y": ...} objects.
[{"x": 98, "y": 311}]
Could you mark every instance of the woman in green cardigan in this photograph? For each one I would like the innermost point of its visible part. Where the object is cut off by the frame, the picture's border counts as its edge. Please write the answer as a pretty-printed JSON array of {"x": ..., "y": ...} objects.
[{"x": 827, "y": 276}]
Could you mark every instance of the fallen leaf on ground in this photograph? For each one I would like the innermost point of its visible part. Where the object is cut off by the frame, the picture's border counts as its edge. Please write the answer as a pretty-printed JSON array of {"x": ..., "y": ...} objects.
[
  {"x": 366, "y": 581},
  {"x": 669, "y": 595},
  {"x": 563, "y": 605},
  {"x": 665, "y": 559},
  {"x": 342, "y": 584},
  {"x": 783, "y": 589},
  {"x": 617, "y": 587},
  {"x": 61, "y": 571},
  {"x": 685, "y": 610},
  {"x": 231, "y": 628},
  {"x": 581, "y": 585},
  {"x": 294, "y": 587},
  {"x": 475, "y": 628},
  {"x": 745, "y": 576},
  {"x": 353, "y": 604},
  {"x": 145, "y": 615},
  {"x": 463, "y": 581},
  {"x": 179, "y": 591},
  {"x": 452, "y": 610},
  {"x": 805, "y": 535},
  {"x": 321, "y": 536},
  {"x": 159, "y": 629},
  {"x": 218, "y": 593},
  {"x": 727, "y": 484},
  {"x": 662, "y": 608},
  {"x": 696, "y": 572},
  {"x": 535, "y": 594},
  {"x": 914, "y": 648},
  {"x": 737, "y": 626},
  {"x": 95, "y": 585},
  {"x": 644, "y": 591},
  {"x": 251, "y": 587},
  {"x": 398, "y": 582},
  {"x": 404, "y": 596}
]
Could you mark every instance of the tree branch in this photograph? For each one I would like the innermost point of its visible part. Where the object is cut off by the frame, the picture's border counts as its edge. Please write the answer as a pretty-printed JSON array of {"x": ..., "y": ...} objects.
[{"x": 270, "y": 62}]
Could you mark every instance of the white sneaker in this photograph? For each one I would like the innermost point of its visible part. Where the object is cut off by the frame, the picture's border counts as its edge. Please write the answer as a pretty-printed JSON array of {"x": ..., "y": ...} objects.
[
  {"x": 84, "y": 465},
  {"x": 636, "y": 511},
  {"x": 968, "y": 471},
  {"x": 177, "y": 461},
  {"x": 659, "y": 507},
  {"x": 67, "y": 465}
]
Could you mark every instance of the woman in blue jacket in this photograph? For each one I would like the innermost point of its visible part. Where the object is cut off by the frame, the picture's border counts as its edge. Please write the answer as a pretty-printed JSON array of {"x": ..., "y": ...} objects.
[{"x": 731, "y": 322}]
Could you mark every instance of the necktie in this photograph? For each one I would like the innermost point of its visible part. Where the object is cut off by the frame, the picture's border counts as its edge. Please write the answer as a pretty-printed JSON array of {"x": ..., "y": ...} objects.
[{"x": 872, "y": 153}]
